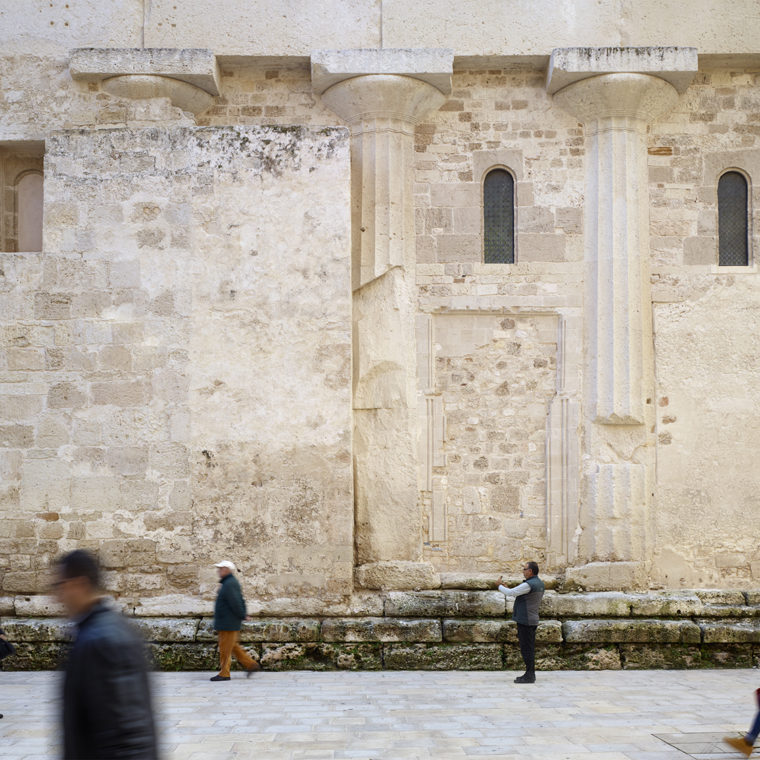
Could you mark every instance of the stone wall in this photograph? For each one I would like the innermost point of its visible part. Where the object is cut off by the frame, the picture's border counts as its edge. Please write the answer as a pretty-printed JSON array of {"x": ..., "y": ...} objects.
[
  {"x": 446, "y": 630},
  {"x": 176, "y": 362},
  {"x": 706, "y": 325},
  {"x": 499, "y": 118}
]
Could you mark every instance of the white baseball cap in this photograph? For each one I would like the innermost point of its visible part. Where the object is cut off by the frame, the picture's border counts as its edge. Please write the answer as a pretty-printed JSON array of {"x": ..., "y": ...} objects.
[{"x": 226, "y": 563}]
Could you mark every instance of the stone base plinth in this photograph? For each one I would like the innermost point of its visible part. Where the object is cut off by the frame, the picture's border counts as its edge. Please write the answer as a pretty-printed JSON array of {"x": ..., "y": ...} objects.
[{"x": 452, "y": 630}]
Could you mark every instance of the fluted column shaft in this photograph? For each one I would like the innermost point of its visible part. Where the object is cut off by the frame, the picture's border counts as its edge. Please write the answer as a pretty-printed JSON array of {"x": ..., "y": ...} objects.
[
  {"x": 616, "y": 109},
  {"x": 382, "y": 110}
]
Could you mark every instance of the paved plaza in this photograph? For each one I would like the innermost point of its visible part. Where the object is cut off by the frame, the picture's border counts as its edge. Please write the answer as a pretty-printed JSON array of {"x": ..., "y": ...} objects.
[{"x": 606, "y": 715}]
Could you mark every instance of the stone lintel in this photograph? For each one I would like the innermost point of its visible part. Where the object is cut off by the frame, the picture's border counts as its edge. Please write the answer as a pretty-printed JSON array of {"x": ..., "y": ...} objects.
[
  {"x": 431, "y": 65},
  {"x": 27, "y": 146},
  {"x": 676, "y": 65},
  {"x": 194, "y": 66}
]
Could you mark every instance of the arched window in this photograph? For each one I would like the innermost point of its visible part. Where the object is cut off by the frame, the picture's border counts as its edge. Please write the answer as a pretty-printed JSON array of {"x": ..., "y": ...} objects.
[
  {"x": 29, "y": 211},
  {"x": 499, "y": 217},
  {"x": 733, "y": 226}
]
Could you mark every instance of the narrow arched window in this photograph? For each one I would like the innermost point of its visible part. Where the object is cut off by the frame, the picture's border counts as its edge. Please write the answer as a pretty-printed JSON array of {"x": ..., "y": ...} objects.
[
  {"x": 499, "y": 217},
  {"x": 733, "y": 226},
  {"x": 29, "y": 212}
]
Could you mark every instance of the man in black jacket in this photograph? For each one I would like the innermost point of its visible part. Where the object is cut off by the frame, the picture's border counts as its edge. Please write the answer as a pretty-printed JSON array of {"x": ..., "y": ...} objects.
[
  {"x": 229, "y": 613},
  {"x": 106, "y": 695}
]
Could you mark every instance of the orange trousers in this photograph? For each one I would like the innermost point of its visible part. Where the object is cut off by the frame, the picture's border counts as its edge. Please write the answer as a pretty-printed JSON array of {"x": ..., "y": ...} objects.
[{"x": 229, "y": 645}]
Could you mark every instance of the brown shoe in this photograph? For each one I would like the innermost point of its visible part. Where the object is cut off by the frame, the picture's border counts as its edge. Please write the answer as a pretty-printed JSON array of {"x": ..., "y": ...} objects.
[
  {"x": 740, "y": 744},
  {"x": 250, "y": 671}
]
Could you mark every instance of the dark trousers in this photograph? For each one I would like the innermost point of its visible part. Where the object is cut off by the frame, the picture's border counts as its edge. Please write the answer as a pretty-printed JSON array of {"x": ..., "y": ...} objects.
[{"x": 526, "y": 635}]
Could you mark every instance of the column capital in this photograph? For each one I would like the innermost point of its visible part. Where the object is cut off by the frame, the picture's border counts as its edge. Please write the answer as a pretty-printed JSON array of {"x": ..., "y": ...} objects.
[
  {"x": 431, "y": 65},
  {"x": 366, "y": 85},
  {"x": 383, "y": 96},
  {"x": 640, "y": 97},
  {"x": 676, "y": 65},
  {"x": 188, "y": 77}
]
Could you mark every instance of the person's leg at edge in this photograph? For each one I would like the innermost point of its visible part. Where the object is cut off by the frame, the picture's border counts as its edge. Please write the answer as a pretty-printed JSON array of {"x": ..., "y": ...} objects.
[
  {"x": 242, "y": 656},
  {"x": 754, "y": 732},
  {"x": 226, "y": 643},
  {"x": 745, "y": 743}
]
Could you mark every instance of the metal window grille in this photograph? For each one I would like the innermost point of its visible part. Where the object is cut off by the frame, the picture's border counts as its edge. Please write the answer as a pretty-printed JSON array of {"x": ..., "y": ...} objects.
[
  {"x": 499, "y": 218},
  {"x": 733, "y": 237}
]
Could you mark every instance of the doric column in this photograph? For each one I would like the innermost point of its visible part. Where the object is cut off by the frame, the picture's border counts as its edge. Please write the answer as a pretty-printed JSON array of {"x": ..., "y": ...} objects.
[
  {"x": 616, "y": 93},
  {"x": 382, "y": 95}
]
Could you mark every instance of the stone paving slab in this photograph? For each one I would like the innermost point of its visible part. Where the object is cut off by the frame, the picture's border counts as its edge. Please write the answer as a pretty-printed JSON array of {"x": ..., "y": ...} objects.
[{"x": 307, "y": 715}]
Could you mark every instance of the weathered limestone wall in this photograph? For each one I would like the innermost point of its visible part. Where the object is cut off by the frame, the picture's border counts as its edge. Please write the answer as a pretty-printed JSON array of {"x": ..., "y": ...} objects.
[
  {"x": 176, "y": 377},
  {"x": 499, "y": 346},
  {"x": 493, "y": 379},
  {"x": 706, "y": 323}
]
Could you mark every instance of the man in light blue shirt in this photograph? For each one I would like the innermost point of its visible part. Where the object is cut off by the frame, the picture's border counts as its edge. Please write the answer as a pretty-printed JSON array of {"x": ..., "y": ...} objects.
[{"x": 528, "y": 597}]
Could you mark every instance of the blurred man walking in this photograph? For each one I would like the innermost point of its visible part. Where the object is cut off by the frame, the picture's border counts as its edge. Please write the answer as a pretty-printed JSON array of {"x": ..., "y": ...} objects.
[
  {"x": 229, "y": 613},
  {"x": 107, "y": 709}
]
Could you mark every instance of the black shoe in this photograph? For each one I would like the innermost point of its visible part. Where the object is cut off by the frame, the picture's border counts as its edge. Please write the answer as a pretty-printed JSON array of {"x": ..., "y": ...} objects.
[
  {"x": 252, "y": 669},
  {"x": 220, "y": 678},
  {"x": 526, "y": 678}
]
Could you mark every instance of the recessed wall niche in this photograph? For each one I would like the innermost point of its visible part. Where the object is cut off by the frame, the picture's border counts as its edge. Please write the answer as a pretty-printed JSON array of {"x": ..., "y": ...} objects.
[{"x": 21, "y": 196}]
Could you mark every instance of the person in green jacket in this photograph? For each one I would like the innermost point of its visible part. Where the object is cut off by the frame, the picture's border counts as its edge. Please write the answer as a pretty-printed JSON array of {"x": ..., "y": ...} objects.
[{"x": 229, "y": 613}]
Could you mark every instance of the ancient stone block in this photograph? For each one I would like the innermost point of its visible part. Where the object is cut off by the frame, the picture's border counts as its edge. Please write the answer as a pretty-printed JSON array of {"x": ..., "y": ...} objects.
[
  {"x": 161, "y": 630},
  {"x": 721, "y": 596},
  {"x": 25, "y": 358},
  {"x": 186, "y": 656},
  {"x": 38, "y": 605},
  {"x": 65, "y": 396},
  {"x": 36, "y": 656},
  {"x": 24, "y": 581},
  {"x": 120, "y": 393},
  {"x": 727, "y": 655},
  {"x": 445, "y": 603},
  {"x": 127, "y": 460},
  {"x": 656, "y": 656},
  {"x": 321, "y": 657},
  {"x": 735, "y": 631},
  {"x": 596, "y": 604},
  {"x": 497, "y": 631},
  {"x": 135, "y": 552},
  {"x": 52, "y": 306},
  {"x": 37, "y": 629},
  {"x": 381, "y": 629},
  {"x": 397, "y": 575},
  {"x": 619, "y": 631},
  {"x": 271, "y": 630},
  {"x": 442, "y": 657},
  {"x": 178, "y": 605},
  {"x": 16, "y": 436},
  {"x": 468, "y": 581},
  {"x": 566, "y": 657},
  {"x": 666, "y": 605}
]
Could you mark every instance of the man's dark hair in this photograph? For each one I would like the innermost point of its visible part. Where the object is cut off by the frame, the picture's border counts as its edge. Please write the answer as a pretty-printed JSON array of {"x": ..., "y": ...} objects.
[
  {"x": 533, "y": 566},
  {"x": 80, "y": 564}
]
